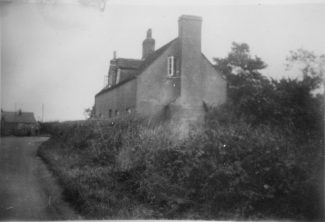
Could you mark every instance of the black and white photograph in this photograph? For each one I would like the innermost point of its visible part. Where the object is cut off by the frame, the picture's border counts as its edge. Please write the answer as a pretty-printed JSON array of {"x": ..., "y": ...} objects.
[{"x": 206, "y": 110}]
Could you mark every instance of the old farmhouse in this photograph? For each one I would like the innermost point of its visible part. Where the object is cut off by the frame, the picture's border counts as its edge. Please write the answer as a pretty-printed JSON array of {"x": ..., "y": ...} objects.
[{"x": 176, "y": 77}]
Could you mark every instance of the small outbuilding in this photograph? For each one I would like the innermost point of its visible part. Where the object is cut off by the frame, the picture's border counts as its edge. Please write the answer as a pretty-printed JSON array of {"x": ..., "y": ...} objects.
[{"x": 18, "y": 123}]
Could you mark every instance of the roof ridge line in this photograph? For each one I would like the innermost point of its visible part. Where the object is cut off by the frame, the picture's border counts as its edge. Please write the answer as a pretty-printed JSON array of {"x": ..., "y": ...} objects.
[{"x": 145, "y": 63}]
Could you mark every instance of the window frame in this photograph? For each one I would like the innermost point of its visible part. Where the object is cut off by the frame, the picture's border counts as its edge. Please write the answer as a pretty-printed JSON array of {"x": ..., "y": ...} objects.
[
  {"x": 171, "y": 66},
  {"x": 118, "y": 76}
]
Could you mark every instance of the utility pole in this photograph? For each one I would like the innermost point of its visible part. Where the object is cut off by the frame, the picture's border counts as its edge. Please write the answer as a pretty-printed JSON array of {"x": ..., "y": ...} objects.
[{"x": 42, "y": 112}]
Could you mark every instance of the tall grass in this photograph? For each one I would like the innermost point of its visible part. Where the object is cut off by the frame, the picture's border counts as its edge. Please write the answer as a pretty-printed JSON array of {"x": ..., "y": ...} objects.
[{"x": 127, "y": 169}]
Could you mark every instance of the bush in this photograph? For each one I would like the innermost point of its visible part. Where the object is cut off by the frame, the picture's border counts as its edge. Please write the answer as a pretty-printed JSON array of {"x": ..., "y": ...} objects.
[{"x": 234, "y": 168}]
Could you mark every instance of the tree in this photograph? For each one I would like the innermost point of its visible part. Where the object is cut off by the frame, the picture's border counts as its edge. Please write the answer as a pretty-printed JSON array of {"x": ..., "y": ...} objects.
[
  {"x": 302, "y": 99},
  {"x": 239, "y": 59},
  {"x": 89, "y": 112},
  {"x": 248, "y": 89},
  {"x": 292, "y": 108},
  {"x": 293, "y": 104},
  {"x": 311, "y": 66}
]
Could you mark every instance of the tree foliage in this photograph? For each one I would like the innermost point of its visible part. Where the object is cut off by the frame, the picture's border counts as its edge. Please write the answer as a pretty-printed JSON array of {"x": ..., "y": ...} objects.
[
  {"x": 246, "y": 85},
  {"x": 89, "y": 112},
  {"x": 311, "y": 66},
  {"x": 239, "y": 58},
  {"x": 289, "y": 103}
]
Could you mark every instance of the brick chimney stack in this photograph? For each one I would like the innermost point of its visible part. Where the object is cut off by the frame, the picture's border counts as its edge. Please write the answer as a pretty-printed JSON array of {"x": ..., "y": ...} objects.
[
  {"x": 189, "y": 33},
  {"x": 148, "y": 45}
]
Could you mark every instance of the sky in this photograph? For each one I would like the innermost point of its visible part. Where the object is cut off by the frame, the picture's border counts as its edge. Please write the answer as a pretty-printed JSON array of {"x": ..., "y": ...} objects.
[{"x": 57, "y": 52}]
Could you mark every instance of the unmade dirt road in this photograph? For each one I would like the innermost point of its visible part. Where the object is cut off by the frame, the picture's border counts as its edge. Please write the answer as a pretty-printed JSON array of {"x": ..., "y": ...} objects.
[{"x": 28, "y": 191}]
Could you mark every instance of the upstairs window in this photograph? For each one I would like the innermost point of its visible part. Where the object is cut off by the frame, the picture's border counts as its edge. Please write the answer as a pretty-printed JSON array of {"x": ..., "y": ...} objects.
[
  {"x": 118, "y": 76},
  {"x": 110, "y": 79},
  {"x": 171, "y": 66}
]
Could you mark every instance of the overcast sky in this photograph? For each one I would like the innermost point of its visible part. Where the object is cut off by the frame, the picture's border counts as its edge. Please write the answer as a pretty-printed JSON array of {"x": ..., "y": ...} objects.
[{"x": 56, "y": 52}]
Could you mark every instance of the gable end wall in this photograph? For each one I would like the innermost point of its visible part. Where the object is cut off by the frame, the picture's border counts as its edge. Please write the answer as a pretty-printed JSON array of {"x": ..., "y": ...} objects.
[
  {"x": 215, "y": 87},
  {"x": 155, "y": 89}
]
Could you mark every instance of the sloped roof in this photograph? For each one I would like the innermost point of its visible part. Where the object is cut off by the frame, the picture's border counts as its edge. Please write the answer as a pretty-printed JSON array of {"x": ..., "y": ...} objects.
[
  {"x": 106, "y": 88},
  {"x": 18, "y": 117},
  {"x": 124, "y": 63},
  {"x": 140, "y": 64},
  {"x": 153, "y": 56},
  {"x": 127, "y": 74}
]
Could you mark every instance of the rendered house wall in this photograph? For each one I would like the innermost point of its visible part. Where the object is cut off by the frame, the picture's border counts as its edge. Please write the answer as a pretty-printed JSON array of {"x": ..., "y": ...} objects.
[
  {"x": 214, "y": 88},
  {"x": 195, "y": 81},
  {"x": 121, "y": 98},
  {"x": 155, "y": 88}
]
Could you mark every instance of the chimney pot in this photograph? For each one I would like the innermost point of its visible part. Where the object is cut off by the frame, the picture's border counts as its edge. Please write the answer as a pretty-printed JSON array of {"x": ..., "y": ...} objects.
[{"x": 149, "y": 34}]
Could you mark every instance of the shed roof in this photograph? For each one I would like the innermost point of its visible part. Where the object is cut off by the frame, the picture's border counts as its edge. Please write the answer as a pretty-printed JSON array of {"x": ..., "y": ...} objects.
[{"x": 18, "y": 117}]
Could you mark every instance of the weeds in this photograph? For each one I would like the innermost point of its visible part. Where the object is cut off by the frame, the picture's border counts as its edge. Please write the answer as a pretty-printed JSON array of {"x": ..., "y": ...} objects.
[{"x": 225, "y": 170}]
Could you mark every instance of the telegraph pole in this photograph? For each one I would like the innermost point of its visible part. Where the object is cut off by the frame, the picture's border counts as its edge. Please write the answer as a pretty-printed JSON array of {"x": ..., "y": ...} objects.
[{"x": 42, "y": 112}]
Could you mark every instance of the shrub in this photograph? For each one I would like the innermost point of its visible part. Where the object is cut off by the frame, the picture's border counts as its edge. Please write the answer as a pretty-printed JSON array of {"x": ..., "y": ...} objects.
[{"x": 229, "y": 169}]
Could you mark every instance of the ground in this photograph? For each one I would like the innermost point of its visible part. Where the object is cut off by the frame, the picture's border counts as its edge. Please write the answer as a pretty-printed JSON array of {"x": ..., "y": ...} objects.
[{"x": 28, "y": 191}]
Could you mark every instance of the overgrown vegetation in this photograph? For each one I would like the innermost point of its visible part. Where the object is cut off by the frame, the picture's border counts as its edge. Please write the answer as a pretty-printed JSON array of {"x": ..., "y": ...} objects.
[{"x": 259, "y": 156}]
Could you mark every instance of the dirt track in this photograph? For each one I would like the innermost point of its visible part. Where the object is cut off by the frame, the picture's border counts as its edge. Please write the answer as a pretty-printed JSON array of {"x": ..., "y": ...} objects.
[{"x": 27, "y": 189}]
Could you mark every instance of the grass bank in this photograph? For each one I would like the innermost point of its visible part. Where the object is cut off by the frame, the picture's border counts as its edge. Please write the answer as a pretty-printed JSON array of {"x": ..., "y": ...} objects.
[{"x": 225, "y": 170}]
